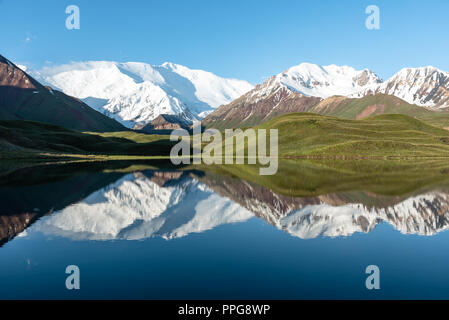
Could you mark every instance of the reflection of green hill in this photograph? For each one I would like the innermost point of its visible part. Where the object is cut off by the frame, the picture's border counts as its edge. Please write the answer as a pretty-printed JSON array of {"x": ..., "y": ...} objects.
[
  {"x": 306, "y": 178},
  {"x": 242, "y": 191},
  {"x": 50, "y": 187}
]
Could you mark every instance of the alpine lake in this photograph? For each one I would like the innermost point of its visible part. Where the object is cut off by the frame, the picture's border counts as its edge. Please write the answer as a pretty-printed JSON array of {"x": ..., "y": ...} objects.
[{"x": 150, "y": 230}]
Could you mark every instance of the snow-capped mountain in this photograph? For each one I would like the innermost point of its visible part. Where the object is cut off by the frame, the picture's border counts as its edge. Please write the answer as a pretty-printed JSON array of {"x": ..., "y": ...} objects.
[
  {"x": 425, "y": 86},
  {"x": 295, "y": 90},
  {"x": 301, "y": 88},
  {"x": 325, "y": 81},
  {"x": 316, "y": 81},
  {"x": 136, "y": 93}
]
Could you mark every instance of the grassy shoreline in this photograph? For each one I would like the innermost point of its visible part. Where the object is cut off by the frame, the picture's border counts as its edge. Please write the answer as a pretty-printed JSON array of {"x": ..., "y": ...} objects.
[{"x": 301, "y": 136}]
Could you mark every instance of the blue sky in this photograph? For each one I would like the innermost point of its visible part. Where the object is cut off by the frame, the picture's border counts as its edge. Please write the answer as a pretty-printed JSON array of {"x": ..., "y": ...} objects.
[{"x": 246, "y": 39}]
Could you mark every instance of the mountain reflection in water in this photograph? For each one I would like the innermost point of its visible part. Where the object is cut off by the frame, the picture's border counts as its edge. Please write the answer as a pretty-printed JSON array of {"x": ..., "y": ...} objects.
[{"x": 167, "y": 203}]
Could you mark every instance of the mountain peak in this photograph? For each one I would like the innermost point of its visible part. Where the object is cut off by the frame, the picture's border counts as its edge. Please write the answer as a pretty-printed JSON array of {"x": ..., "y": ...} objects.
[
  {"x": 170, "y": 65},
  {"x": 12, "y": 76},
  {"x": 419, "y": 72},
  {"x": 306, "y": 67},
  {"x": 425, "y": 68},
  {"x": 136, "y": 92},
  {"x": 424, "y": 86},
  {"x": 6, "y": 61},
  {"x": 325, "y": 81}
]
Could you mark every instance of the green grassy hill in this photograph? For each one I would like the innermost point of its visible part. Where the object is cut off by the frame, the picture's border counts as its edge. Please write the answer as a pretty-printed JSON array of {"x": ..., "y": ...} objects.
[
  {"x": 27, "y": 137},
  {"x": 300, "y": 135},
  {"x": 306, "y": 134}
]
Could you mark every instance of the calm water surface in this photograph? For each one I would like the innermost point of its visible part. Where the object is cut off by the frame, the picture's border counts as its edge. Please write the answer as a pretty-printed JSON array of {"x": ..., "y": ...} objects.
[{"x": 187, "y": 234}]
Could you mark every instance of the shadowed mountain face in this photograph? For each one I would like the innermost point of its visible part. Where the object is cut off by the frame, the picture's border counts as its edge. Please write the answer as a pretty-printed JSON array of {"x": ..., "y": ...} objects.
[
  {"x": 23, "y": 98},
  {"x": 171, "y": 204},
  {"x": 265, "y": 102}
]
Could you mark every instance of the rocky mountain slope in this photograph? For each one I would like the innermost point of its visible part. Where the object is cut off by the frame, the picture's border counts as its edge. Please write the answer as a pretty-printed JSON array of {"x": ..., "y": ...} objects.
[
  {"x": 263, "y": 103},
  {"x": 24, "y": 98},
  {"x": 369, "y": 105},
  {"x": 425, "y": 86},
  {"x": 165, "y": 122}
]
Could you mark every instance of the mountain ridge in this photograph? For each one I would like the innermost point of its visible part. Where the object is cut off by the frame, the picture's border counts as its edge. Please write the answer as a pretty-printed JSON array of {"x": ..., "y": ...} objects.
[
  {"x": 324, "y": 86},
  {"x": 134, "y": 93},
  {"x": 424, "y": 86}
]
